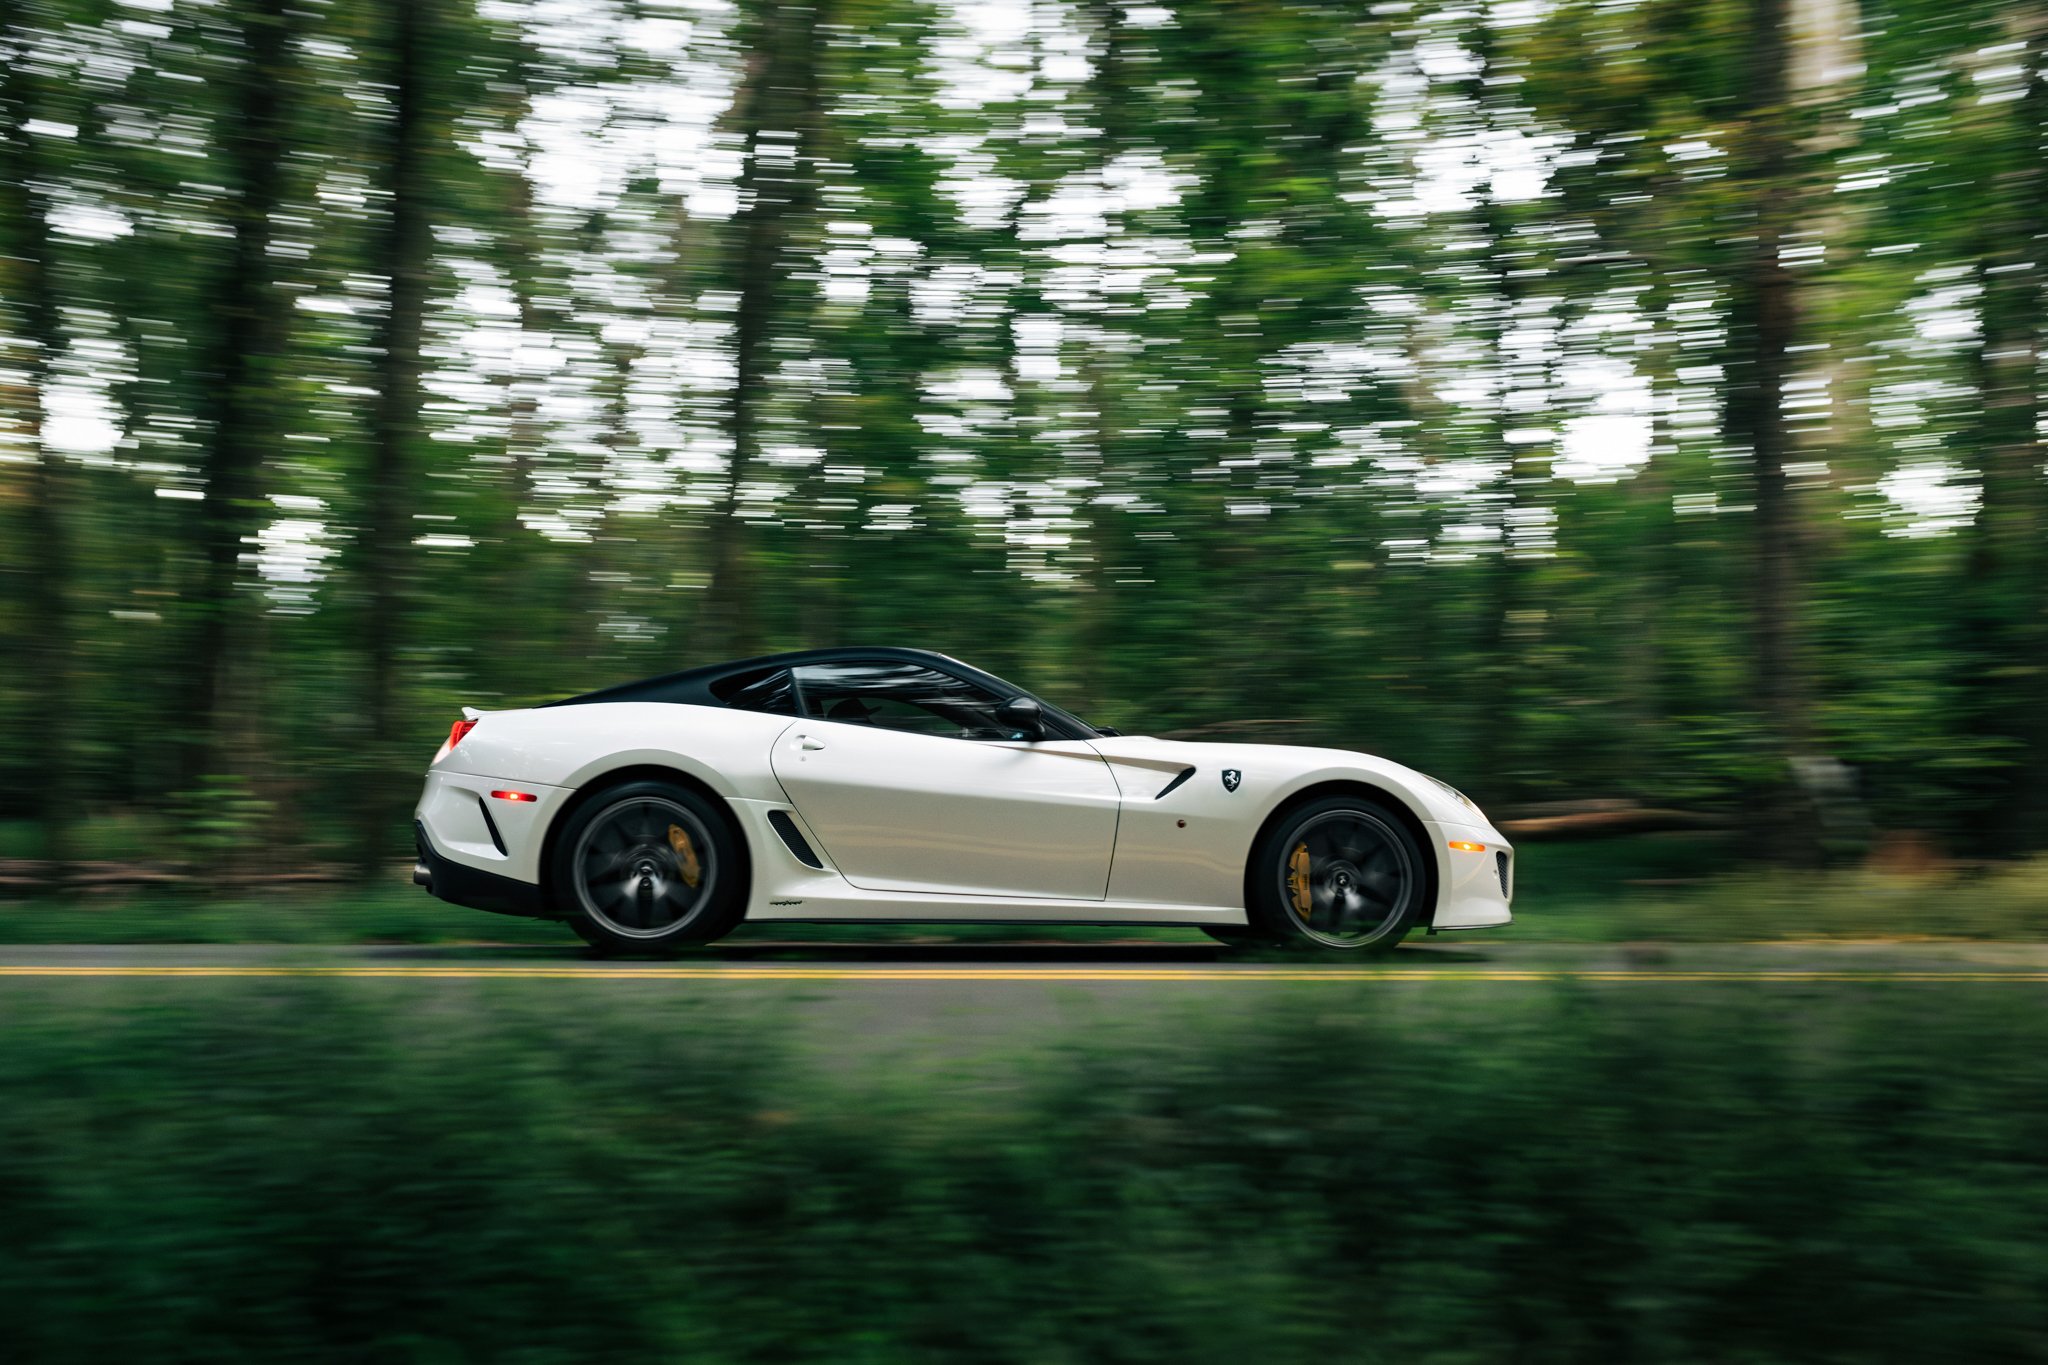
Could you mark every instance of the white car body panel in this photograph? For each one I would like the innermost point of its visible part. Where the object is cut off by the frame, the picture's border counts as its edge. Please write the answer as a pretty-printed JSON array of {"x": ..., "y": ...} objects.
[
  {"x": 919, "y": 827},
  {"x": 452, "y": 809},
  {"x": 802, "y": 893},
  {"x": 909, "y": 812},
  {"x": 568, "y": 746}
]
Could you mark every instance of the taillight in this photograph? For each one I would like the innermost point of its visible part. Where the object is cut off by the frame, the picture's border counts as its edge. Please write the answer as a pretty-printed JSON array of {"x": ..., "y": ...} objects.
[{"x": 458, "y": 730}]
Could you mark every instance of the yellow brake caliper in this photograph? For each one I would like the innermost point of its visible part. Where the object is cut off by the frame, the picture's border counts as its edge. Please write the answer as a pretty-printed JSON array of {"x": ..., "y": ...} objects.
[
  {"x": 1297, "y": 880},
  {"x": 686, "y": 853}
]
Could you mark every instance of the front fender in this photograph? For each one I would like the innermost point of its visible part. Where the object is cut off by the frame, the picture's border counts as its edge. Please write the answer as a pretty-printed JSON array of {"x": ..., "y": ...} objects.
[{"x": 1191, "y": 844}]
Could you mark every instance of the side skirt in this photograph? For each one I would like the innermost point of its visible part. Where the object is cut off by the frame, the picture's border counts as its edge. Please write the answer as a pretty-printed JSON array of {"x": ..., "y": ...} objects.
[{"x": 914, "y": 908}]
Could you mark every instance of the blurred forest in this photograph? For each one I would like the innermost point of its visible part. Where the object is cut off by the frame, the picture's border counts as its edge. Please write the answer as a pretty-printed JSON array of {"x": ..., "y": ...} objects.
[{"x": 1624, "y": 399}]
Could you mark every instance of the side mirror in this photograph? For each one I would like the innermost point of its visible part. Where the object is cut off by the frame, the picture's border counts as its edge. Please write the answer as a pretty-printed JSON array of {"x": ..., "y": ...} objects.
[{"x": 1023, "y": 714}]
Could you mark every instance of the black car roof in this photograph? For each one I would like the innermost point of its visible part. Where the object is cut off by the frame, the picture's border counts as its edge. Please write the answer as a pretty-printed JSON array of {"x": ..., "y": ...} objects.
[
  {"x": 693, "y": 687},
  {"x": 698, "y": 686}
]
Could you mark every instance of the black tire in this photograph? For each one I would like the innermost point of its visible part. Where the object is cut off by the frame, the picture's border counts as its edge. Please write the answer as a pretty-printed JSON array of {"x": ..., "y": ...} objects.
[
  {"x": 622, "y": 864},
  {"x": 1364, "y": 885},
  {"x": 600, "y": 943}
]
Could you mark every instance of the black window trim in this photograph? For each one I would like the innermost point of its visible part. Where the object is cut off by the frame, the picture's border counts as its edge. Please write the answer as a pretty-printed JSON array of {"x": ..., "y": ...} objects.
[
  {"x": 701, "y": 686},
  {"x": 1004, "y": 694}
]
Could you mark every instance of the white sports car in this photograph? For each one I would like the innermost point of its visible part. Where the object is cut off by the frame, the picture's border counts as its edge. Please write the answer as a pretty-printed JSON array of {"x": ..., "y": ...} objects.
[{"x": 899, "y": 785}]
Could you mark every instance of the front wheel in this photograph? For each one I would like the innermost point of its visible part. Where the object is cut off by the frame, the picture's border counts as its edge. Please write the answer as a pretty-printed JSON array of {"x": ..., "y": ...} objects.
[
  {"x": 648, "y": 867},
  {"x": 1342, "y": 872}
]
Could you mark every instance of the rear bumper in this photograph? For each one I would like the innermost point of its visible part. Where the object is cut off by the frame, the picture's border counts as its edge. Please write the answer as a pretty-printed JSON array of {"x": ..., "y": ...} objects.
[{"x": 459, "y": 884}]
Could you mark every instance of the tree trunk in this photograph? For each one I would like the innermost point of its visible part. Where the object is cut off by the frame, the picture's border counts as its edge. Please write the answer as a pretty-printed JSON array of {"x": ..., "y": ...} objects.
[
  {"x": 521, "y": 555},
  {"x": 1504, "y": 665},
  {"x": 239, "y": 370},
  {"x": 1763, "y": 323},
  {"x": 1096, "y": 605},
  {"x": 776, "y": 110},
  {"x": 403, "y": 256},
  {"x": 28, "y": 278},
  {"x": 2005, "y": 611}
]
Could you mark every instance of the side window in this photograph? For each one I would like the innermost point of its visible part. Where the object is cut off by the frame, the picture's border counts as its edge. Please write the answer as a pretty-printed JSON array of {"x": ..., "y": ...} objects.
[
  {"x": 770, "y": 692},
  {"x": 906, "y": 697}
]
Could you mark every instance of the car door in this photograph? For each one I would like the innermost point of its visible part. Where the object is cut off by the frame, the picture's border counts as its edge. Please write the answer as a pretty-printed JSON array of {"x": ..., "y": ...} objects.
[{"x": 908, "y": 780}]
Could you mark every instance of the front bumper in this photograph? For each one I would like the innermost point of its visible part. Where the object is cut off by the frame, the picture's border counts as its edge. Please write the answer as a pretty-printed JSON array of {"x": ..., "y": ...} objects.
[
  {"x": 1478, "y": 887},
  {"x": 460, "y": 884}
]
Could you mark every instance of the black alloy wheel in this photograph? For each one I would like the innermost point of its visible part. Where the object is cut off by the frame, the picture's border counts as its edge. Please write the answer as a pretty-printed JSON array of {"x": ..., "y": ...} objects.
[
  {"x": 1342, "y": 872},
  {"x": 647, "y": 866}
]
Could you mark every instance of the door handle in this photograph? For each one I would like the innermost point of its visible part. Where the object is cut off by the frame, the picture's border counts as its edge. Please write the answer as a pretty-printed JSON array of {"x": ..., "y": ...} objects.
[{"x": 809, "y": 744}]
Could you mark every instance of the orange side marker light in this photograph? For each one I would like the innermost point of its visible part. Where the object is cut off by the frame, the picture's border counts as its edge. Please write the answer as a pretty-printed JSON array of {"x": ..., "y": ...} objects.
[{"x": 1467, "y": 846}]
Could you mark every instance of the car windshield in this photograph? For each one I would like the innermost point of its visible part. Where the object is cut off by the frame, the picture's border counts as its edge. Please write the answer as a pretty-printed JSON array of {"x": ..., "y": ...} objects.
[{"x": 1062, "y": 718}]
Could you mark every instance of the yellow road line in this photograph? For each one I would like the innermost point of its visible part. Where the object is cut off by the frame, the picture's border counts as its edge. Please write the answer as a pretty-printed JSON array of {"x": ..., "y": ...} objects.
[{"x": 1046, "y": 974}]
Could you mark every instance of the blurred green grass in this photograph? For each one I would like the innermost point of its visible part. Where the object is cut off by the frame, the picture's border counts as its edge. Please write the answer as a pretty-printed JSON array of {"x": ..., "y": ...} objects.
[
  {"x": 291, "y": 1170},
  {"x": 1686, "y": 889}
]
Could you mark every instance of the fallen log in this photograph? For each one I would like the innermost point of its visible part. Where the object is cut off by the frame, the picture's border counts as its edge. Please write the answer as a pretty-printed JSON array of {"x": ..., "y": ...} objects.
[
  {"x": 28, "y": 873},
  {"x": 1610, "y": 820}
]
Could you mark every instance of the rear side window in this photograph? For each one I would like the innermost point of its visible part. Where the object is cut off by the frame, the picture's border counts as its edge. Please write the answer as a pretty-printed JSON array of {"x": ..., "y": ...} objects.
[
  {"x": 888, "y": 695},
  {"x": 769, "y": 691}
]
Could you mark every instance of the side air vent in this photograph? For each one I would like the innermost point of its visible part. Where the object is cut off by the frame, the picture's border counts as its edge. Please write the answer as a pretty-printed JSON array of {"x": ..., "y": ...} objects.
[
  {"x": 1500, "y": 863},
  {"x": 1183, "y": 775},
  {"x": 794, "y": 838},
  {"x": 497, "y": 840}
]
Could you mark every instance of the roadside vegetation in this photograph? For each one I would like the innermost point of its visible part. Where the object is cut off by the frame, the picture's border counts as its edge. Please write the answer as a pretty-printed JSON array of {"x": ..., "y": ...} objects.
[
  {"x": 1667, "y": 887},
  {"x": 293, "y": 1170}
]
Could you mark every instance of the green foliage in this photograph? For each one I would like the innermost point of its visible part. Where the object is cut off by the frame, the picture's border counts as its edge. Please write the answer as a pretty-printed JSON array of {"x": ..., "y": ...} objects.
[
  {"x": 290, "y": 1171},
  {"x": 1390, "y": 369},
  {"x": 217, "y": 821}
]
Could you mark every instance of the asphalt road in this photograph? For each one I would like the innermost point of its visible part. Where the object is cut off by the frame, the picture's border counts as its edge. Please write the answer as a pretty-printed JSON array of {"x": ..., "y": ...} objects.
[
  {"x": 898, "y": 965},
  {"x": 897, "y": 1008}
]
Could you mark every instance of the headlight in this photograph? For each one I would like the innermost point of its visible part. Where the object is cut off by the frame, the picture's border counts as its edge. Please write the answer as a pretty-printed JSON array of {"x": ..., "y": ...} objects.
[{"x": 1457, "y": 795}]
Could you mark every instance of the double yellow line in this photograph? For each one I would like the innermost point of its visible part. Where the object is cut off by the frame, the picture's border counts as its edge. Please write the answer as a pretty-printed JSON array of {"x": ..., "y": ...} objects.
[{"x": 1074, "y": 975}]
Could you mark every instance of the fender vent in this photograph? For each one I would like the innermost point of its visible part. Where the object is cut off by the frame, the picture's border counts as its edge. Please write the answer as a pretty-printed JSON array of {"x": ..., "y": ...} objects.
[
  {"x": 497, "y": 840},
  {"x": 1500, "y": 864},
  {"x": 793, "y": 837},
  {"x": 1183, "y": 775}
]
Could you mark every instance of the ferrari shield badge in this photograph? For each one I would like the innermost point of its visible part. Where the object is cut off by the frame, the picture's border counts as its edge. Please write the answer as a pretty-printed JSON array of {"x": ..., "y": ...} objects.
[{"x": 1231, "y": 777}]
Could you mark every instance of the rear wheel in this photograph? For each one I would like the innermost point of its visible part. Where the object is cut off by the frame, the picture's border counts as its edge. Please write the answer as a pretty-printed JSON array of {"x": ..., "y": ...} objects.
[
  {"x": 1342, "y": 873},
  {"x": 648, "y": 867}
]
